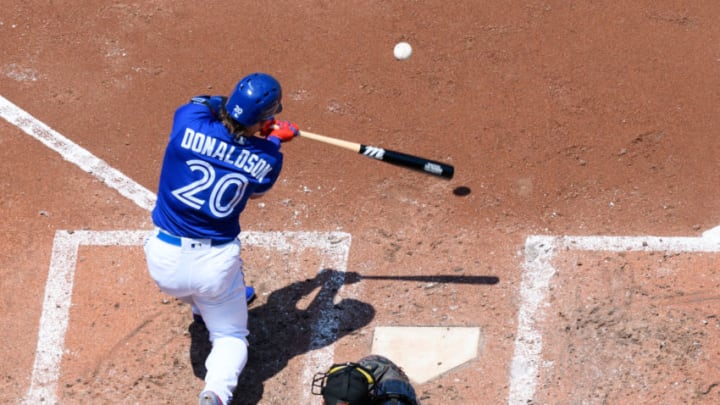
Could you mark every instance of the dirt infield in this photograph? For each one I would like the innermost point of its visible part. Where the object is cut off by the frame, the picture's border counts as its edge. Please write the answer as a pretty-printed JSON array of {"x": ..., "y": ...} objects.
[{"x": 561, "y": 118}]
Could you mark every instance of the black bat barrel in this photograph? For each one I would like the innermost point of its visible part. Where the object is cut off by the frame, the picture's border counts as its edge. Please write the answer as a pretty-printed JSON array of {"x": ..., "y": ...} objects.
[{"x": 409, "y": 161}]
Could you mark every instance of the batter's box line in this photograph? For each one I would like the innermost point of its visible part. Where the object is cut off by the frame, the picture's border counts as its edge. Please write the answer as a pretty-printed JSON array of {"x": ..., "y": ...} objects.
[
  {"x": 538, "y": 271},
  {"x": 54, "y": 318}
]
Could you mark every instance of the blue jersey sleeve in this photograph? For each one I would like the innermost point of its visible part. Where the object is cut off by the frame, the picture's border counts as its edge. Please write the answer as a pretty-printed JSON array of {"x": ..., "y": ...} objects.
[{"x": 214, "y": 103}]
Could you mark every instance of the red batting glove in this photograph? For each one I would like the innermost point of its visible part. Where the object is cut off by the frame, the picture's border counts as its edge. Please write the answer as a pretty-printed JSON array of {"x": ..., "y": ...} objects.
[
  {"x": 268, "y": 126},
  {"x": 284, "y": 130}
]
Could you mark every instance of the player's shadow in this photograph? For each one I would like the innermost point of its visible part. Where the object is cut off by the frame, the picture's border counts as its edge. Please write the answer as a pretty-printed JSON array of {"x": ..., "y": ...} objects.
[{"x": 279, "y": 330}]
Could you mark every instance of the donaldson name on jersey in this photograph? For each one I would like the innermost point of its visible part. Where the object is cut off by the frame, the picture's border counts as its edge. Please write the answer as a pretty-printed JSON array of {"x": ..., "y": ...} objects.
[
  {"x": 243, "y": 159},
  {"x": 207, "y": 177}
]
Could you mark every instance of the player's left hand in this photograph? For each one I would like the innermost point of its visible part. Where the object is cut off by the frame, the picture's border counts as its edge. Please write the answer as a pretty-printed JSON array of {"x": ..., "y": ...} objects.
[
  {"x": 284, "y": 130},
  {"x": 268, "y": 126}
]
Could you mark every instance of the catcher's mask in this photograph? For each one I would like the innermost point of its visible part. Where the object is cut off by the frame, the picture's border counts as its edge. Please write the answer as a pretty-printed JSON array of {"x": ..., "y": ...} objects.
[{"x": 346, "y": 383}]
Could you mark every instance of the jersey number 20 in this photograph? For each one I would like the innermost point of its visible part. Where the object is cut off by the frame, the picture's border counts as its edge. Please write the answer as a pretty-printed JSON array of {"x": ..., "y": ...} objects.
[{"x": 188, "y": 194}]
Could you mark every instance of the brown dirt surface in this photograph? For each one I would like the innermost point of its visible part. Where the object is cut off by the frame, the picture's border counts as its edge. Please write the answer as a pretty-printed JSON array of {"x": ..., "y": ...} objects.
[{"x": 560, "y": 118}]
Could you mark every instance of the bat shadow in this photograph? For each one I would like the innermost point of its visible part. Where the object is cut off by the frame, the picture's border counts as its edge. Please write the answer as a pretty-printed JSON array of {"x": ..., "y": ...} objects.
[
  {"x": 280, "y": 331},
  {"x": 438, "y": 278}
]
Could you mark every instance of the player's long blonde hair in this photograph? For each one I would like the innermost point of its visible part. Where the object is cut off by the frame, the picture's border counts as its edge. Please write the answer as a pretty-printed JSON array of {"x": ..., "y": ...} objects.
[{"x": 238, "y": 130}]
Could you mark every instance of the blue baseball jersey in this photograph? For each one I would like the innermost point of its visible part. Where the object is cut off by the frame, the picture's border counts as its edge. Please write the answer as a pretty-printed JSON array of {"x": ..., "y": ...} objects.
[{"x": 207, "y": 176}]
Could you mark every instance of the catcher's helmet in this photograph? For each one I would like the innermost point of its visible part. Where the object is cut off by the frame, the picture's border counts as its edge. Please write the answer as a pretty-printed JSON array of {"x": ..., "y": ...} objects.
[
  {"x": 347, "y": 383},
  {"x": 256, "y": 98}
]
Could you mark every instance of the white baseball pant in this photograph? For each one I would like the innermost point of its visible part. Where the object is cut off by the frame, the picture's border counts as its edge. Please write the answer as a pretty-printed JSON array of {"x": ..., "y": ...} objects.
[{"x": 211, "y": 279}]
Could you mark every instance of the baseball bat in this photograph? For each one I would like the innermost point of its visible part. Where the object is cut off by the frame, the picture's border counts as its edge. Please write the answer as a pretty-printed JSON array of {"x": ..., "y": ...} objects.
[{"x": 390, "y": 156}]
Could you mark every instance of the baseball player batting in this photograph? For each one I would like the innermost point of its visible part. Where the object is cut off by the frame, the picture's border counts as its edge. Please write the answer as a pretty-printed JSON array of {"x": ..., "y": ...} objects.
[{"x": 221, "y": 152}]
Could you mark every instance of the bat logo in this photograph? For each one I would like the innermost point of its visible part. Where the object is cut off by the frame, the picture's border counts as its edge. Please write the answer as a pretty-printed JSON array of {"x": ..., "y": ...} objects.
[
  {"x": 433, "y": 168},
  {"x": 374, "y": 152}
]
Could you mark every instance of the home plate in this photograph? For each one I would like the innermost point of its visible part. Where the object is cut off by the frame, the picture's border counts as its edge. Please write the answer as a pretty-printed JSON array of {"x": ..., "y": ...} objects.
[{"x": 426, "y": 352}]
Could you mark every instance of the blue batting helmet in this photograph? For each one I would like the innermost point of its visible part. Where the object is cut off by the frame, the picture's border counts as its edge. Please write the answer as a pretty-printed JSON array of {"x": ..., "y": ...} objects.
[{"x": 256, "y": 98}]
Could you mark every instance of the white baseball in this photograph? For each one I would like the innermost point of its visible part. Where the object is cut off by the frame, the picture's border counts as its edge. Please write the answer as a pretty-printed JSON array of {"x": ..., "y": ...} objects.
[{"x": 402, "y": 50}]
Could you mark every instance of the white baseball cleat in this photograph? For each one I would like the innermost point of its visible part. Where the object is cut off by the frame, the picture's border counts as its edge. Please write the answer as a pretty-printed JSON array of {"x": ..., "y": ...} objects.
[{"x": 209, "y": 398}]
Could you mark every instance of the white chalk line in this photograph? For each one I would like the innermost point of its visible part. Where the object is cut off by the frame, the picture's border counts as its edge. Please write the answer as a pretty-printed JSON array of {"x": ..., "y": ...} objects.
[
  {"x": 56, "y": 306},
  {"x": 538, "y": 271},
  {"x": 77, "y": 155},
  {"x": 335, "y": 248}
]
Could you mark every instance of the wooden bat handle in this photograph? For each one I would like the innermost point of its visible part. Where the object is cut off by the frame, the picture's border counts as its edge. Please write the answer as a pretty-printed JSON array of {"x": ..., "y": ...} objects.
[{"x": 355, "y": 147}]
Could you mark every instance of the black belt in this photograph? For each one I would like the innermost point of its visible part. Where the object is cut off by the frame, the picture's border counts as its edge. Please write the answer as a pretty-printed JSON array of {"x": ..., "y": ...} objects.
[{"x": 174, "y": 240}]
